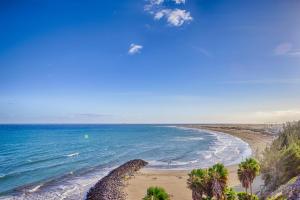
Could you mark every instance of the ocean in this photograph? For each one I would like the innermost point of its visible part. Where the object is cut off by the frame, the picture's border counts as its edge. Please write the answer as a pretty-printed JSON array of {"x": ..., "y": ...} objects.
[{"x": 64, "y": 161}]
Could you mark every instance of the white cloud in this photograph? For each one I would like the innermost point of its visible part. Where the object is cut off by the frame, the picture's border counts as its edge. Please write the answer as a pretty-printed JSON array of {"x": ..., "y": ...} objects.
[
  {"x": 283, "y": 48},
  {"x": 265, "y": 81},
  {"x": 179, "y": 1},
  {"x": 176, "y": 17},
  {"x": 151, "y": 4},
  {"x": 286, "y": 49},
  {"x": 160, "y": 14},
  {"x": 134, "y": 49},
  {"x": 294, "y": 53},
  {"x": 277, "y": 115},
  {"x": 258, "y": 116},
  {"x": 157, "y": 2}
]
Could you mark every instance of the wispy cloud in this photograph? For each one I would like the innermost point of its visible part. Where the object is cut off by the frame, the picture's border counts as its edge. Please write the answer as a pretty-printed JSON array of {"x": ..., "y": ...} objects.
[
  {"x": 91, "y": 115},
  {"x": 134, "y": 49},
  {"x": 152, "y": 4},
  {"x": 278, "y": 115},
  {"x": 286, "y": 49},
  {"x": 203, "y": 51},
  {"x": 179, "y": 1},
  {"x": 260, "y": 116},
  {"x": 265, "y": 81},
  {"x": 175, "y": 17}
]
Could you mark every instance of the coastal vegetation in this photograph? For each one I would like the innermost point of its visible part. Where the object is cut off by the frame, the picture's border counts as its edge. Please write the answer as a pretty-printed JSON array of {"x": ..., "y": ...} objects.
[
  {"x": 280, "y": 161},
  {"x": 211, "y": 183},
  {"x": 208, "y": 183},
  {"x": 230, "y": 194},
  {"x": 247, "y": 172},
  {"x": 156, "y": 193},
  {"x": 278, "y": 165}
]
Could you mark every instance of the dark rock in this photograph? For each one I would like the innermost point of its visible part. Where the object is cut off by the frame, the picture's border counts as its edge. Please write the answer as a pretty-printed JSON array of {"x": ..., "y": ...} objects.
[{"x": 110, "y": 187}]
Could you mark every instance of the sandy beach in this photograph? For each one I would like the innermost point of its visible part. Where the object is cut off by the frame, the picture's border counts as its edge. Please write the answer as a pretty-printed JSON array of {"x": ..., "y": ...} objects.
[{"x": 174, "y": 181}]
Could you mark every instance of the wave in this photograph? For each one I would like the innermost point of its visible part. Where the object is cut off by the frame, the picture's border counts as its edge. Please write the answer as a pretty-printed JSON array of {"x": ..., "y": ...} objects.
[
  {"x": 35, "y": 188},
  {"x": 71, "y": 186},
  {"x": 172, "y": 164},
  {"x": 31, "y": 162},
  {"x": 224, "y": 148},
  {"x": 187, "y": 139},
  {"x": 72, "y": 154},
  {"x": 2, "y": 175},
  {"x": 18, "y": 174}
]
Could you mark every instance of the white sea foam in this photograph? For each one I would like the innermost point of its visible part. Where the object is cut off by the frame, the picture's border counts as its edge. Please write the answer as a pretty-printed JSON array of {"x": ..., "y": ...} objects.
[
  {"x": 230, "y": 149},
  {"x": 72, "y": 189},
  {"x": 226, "y": 148},
  {"x": 171, "y": 164},
  {"x": 187, "y": 139},
  {"x": 34, "y": 189},
  {"x": 207, "y": 155},
  {"x": 72, "y": 154}
]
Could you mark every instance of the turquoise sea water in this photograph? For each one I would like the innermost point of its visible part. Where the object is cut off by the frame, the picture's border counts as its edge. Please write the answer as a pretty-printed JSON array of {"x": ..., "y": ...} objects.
[{"x": 64, "y": 161}]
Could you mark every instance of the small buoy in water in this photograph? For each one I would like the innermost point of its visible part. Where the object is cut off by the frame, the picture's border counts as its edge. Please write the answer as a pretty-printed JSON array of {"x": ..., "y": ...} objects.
[{"x": 86, "y": 136}]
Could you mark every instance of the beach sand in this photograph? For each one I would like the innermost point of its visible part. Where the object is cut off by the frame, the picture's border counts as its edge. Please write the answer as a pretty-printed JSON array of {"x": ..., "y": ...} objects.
[{"x": 174, "y": 181}]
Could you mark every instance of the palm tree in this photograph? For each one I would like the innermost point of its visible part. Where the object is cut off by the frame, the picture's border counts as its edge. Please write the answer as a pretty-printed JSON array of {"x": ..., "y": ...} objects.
[
  {"x": 208, "y": 183},
  {"x": 254, "y": 169},
  {"x": 243, "y": 177},
  {"x": 198, "y": 182},
  {"x": 247, "y": 172},
  {"x": 156, "y": 193},
  {"x": 218, "y": 175}
]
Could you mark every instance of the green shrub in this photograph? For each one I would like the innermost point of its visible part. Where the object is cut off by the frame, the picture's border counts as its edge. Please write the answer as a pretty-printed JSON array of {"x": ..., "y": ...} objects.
[
  {"x": 281, "y": 161},
  {"x": 246, "y": 196},
  {"x": 230, "y": 194},
  {"x": 279, "y": 197},
  {"x": 156, "y": 193}
]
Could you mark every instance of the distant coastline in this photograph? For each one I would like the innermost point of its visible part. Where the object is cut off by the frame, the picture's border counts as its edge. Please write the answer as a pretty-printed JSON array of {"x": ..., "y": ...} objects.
[{"x": 253, "y": 134}]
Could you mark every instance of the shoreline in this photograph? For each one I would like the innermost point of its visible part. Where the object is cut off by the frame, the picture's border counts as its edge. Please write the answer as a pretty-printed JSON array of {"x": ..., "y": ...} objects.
[
  {"x": 174, "y": 181},
  {"x": 255, "y": 137}
]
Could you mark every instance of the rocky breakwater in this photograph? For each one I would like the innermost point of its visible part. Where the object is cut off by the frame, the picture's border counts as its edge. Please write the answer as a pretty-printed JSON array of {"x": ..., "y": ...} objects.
[{"x": 110, "y": 187}]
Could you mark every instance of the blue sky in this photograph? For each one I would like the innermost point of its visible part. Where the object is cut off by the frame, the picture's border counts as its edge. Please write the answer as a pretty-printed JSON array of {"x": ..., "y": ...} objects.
[{"x": 149, "y": 61}]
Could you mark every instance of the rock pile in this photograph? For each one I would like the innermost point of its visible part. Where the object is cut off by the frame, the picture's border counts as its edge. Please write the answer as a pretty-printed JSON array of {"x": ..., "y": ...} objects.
[{"x": 110, "y": 187}]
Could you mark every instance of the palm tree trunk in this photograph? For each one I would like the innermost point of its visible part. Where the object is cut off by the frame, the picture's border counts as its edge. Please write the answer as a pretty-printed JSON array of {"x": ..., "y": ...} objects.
[
  {"x": 246, "y": 189},
  {"x": 196, "y": 195},
  {"x": 251, "y": 188}
]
